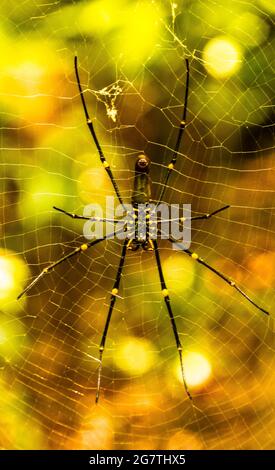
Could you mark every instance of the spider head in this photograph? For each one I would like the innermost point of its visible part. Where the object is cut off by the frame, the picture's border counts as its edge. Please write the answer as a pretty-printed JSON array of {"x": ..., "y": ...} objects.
[{"x": 143, "y": 164}]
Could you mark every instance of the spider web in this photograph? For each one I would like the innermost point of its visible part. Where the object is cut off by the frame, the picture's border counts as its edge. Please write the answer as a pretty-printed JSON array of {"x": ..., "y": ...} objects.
[{"x": 132, "y": 67}]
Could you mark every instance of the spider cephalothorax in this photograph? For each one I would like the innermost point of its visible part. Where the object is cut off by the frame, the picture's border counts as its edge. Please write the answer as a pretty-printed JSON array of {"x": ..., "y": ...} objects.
[{"x": 143, "y": 164}]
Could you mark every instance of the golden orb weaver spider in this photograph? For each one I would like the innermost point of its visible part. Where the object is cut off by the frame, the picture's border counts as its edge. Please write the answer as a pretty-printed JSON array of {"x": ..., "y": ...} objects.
[{"x": 141, "y": 195}]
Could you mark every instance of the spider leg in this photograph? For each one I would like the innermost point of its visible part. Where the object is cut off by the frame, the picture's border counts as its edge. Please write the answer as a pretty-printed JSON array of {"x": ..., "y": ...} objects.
[
  {"x": 170, "y": 312},
  {"x": 180, "y": 134},
  {"x": 206, "y": 216},
  {"x": 94, "y": 136},
  {"x": 229, "y": 281},
  {"x": 78, "y": 250},
  {"x": 197, "y": 217},
  {"x": 110, "y": 311},
  {"x": 82, "y": 217}
]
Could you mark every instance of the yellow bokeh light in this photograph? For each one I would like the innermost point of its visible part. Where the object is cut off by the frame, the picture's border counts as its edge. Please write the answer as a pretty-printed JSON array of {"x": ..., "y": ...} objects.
[
  {"x": 249, "y": 29},
  {"x": 179, "y": 272},
  {"x": 6, "y": 276},
  {"x": 42, "y": 192},
  {"x": 13, "y": 272},
  {"x": 28, "y": 73},
  {"x": 222, "y": 57},
  {"x": 32, "y": 76},
  {"x": 135, "y": 356},
  {"x": 8, "y": 279},
  {"x": 99, "y": 17},
  {"x": 92, "y": 185},
  {"x": 137, "y": 39},
  {"x": 197, "y": 369}
]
